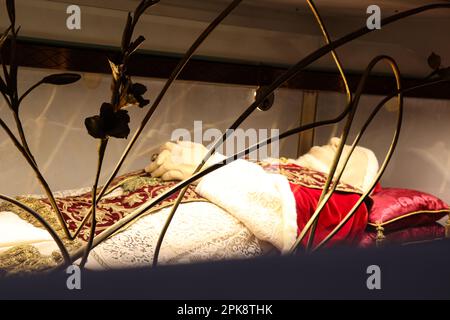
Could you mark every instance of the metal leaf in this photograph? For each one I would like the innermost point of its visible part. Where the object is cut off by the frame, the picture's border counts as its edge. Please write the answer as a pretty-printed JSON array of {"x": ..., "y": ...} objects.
[
  {"x": 434, "y": 61},
  {"x": 127, "y": 33},
  {"x": 119, "y": 128},
  {"x": 115, "y": 70},
  {"x": 94, "y": 126},
  {"x": 136, "y": 44},
  {"x": 61, "y": 79},
  {"x": 109, "y": 123},
  {"x": 10, "y": 5}
]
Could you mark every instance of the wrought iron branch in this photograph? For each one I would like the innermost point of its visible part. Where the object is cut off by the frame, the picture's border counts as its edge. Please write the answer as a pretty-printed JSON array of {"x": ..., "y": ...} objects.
[
  {"x": 65, "y": 254},
  {"x": 349, "y": 101},
  {"x": 353, "y": 107},
  {"x": 124, "y": 92}
]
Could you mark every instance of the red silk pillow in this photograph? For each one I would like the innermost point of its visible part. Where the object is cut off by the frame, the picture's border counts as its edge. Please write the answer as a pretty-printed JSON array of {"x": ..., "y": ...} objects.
[
  {"x": 410, "y": 235},
  {"x": 395, "y": 209}
]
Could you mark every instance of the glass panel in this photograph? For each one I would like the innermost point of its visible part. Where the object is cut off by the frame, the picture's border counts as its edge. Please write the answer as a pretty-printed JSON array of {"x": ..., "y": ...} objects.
[
  {"x": 422, "y": 158},
  {"x": 54, "y": 122}
]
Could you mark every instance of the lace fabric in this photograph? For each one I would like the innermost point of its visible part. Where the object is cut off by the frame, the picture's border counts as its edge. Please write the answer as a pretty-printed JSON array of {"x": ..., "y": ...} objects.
[{"x": 200, "y": 231}]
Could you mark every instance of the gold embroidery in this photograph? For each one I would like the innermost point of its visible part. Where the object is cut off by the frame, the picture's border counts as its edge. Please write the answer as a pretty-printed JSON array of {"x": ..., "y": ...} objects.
[
  {"x": 27, "y": 259},
  {"x": 379, "y": 223},
  {"x": 46, "y": 213},
  {"x": 135, "y": 183},
  {"x": 380, "y": 236},
  {"x": 305, "y": 177}
]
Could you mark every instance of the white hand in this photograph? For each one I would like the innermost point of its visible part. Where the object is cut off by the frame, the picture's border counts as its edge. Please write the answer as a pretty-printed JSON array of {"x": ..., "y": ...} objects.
[{"x": 178, "y": 161}]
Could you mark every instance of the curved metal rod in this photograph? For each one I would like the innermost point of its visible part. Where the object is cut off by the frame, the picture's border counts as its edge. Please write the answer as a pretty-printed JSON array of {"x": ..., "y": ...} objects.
[
  {"x": 353, "y": 107},
  {"x": 65, "y": 254},
  {"x": 39, "y": 176},
  {"x": 176, "y": 72},
  {"x": 383, "y": 167},
  {"x": 292, "y": 72},
  {"x": 349, "y": 100},
  {"x": 334, "y": 54},
  {"x": 101, "y": 155},
  {"x": 142, "y": 210}
]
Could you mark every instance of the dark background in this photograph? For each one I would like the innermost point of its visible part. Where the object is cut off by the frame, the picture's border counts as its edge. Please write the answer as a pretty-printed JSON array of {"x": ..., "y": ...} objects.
[{"x": 413, "y": 272}]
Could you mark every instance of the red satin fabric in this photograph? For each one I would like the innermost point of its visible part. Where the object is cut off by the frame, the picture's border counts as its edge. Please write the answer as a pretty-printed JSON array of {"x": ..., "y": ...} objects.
[
  {"x": 395, "y": 203},
  {"x": 336, "y": 209}
]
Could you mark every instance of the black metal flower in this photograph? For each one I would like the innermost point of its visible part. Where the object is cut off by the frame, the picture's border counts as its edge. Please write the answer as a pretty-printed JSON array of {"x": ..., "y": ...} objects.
[
  {"x": 137, "y": 91},
  {"x": 61, "y": 79},
  {"x": 114, "y": 119},
  {"x": 109, "y": 123}
]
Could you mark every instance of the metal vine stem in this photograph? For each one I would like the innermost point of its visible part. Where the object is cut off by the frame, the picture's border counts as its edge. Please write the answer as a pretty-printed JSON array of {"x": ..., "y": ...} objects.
[
  {"x": 354, "y": 106},
  {"x": 101, "y": 155},
  {"x": 349, "y": 100},
  {"x": 117, "y": 84},
  {"x": 387, "y": 158},
  {"x": 65, "y": 254}
]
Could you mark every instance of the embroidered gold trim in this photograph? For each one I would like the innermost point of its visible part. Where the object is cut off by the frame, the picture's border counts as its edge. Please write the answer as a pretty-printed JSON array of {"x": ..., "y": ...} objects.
[
  {"x": 376, "y": 224},
  {"x": 26, "y": 259},
  {"x": 305, "y": 177},
  {"x": 380, "y": 236}
]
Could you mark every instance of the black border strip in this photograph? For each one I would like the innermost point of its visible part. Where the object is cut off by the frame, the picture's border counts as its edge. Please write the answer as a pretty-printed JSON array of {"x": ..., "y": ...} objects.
[{"x": 78, "y": 58}]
